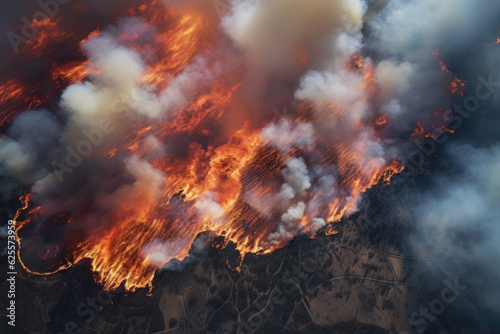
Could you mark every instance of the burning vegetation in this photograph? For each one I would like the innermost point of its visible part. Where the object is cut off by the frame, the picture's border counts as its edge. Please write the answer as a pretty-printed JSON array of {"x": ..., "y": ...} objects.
[{"x": 168, "y": 131}]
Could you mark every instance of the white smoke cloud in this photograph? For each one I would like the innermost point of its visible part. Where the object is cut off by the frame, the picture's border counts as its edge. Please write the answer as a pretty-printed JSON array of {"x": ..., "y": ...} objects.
[
  {"x": 286, "y": 195},
  {"x": 159, "y": 252},
  {"x": 289, "y": 225},
  {"x": 267, "y": 29},
  {"x": 297, "y": 181},
  {"x": 395, "y": 78},
  {"x": 317, "y": 224},
  {"x": 197, "y": 250},
  {"x": 296, "y": 175},
  {"x": 113, "y": 91},
  {"x": 208, "y": 208},
  {"x": 163, "y": 253},
  {"x": 343, "y": 89},
  {"x": 323, "y": 192},
  {"x": 284, "y": 135},
  {"x": 118, "y": 66}
]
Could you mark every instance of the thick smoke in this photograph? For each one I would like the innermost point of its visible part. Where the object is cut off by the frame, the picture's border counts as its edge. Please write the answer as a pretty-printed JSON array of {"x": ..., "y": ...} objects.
[
  {"x": 96, "y": 109},
  {"x": 285, "y": 135},
  {"x": 461, "y": 215},
  {"x": 404, "y": 33},
  {"x": 267, "y": 29},
  {"x": 297, "y": 181},
  {"x": 288, "y": 226},
  {"x": 25, "y": 154}
]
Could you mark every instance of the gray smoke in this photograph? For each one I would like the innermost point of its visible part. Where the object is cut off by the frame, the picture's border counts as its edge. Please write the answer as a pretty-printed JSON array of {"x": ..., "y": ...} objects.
[
  {"x": 25, "y": 155},
  {"x": 461, "y": 215}
]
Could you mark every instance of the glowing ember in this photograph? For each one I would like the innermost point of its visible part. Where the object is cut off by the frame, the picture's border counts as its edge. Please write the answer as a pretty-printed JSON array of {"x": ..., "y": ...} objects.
[{"x": 456, "y": 85}]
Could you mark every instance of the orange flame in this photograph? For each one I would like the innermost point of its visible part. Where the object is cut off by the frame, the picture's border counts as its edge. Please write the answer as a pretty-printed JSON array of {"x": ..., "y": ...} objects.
[
  {"x": 457, "y": 85},
  {"x": 48, "y": 32}
]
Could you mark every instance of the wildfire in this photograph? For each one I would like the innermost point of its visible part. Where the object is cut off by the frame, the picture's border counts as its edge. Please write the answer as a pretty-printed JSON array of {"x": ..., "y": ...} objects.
[
  {"x": 10, "y": 92},
  {"x": 381, "y": 121},
  {"x": 46, "y": 33},
  {"x": 330, "y": 231},
  {"x": 420, "y": 131},
  {"x": 228, "y": 178},
  {"x": 70, "y": 72},
  {"x": 457, "y": 86},
  {"x": 495, "y": 43}
]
